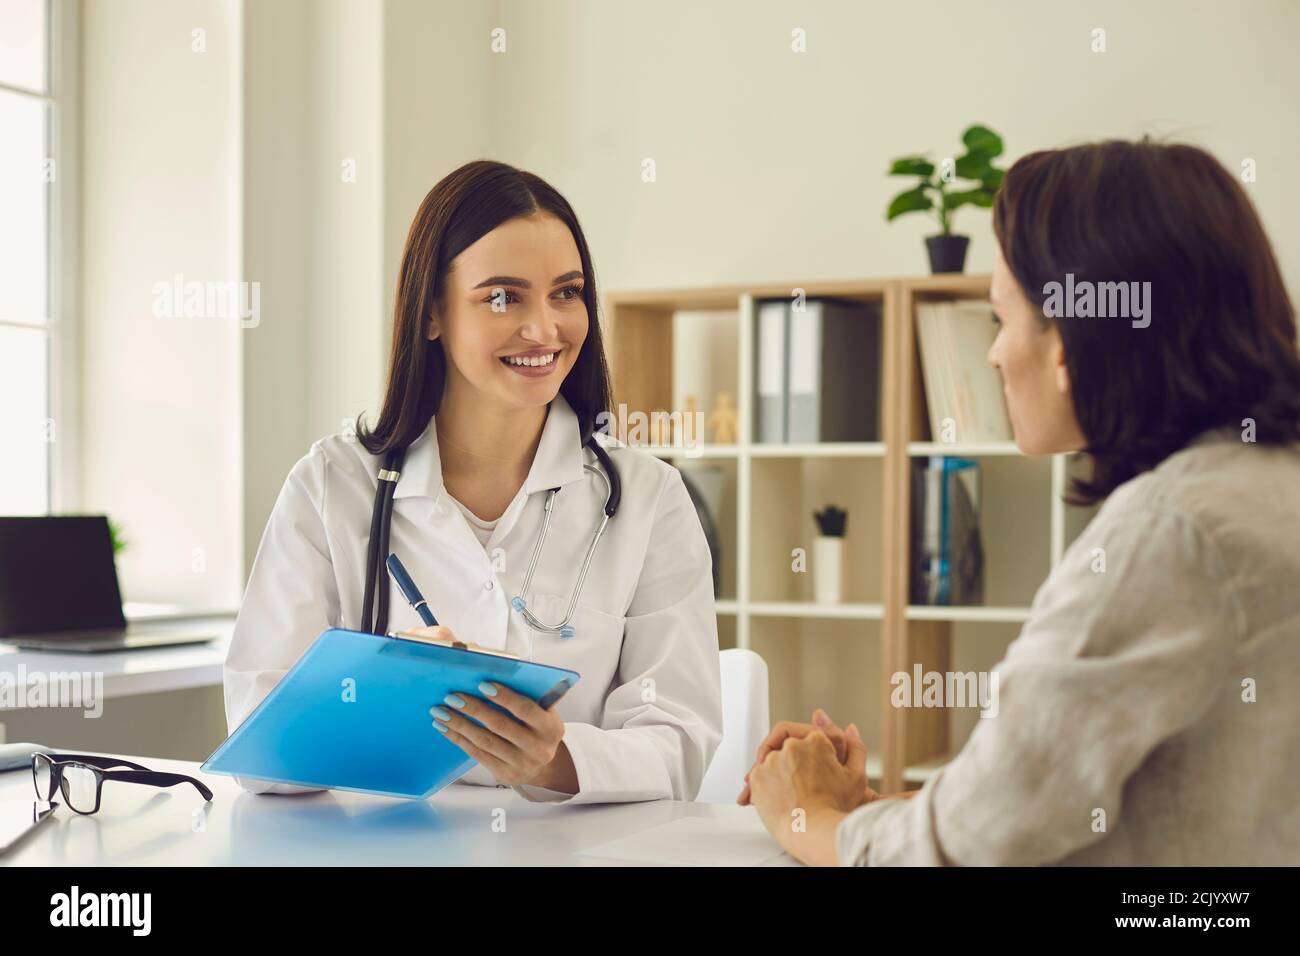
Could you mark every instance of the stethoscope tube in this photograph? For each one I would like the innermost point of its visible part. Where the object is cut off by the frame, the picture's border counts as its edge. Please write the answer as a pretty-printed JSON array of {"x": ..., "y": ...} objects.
[
  {"x": 381, "y": 519},
  {"x": 520, "y": 603},
  {"x": 613, "y": 483},
  {"x": 381, "y": 522}
]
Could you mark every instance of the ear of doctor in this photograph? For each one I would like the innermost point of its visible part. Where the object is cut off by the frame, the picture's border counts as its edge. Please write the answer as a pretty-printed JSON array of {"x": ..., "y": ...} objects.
[{"x": 518, "y": 741}]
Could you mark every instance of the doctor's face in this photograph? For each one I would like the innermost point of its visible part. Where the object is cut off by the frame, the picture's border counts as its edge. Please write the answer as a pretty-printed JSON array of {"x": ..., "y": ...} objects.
[{"x": 513, "y": 318}]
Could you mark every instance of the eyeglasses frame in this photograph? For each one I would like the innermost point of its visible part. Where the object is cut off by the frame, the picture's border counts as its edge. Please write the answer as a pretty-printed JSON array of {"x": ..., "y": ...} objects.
[{"x": 101, "y": 767}]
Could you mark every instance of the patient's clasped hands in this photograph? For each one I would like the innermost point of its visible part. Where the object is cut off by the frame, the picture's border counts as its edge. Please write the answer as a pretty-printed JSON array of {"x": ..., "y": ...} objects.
[{"x": 806, "y": 778}]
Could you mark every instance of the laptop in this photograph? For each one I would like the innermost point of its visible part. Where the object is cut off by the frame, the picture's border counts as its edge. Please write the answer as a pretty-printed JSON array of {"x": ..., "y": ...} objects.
[{"x": 58, "y": 590}]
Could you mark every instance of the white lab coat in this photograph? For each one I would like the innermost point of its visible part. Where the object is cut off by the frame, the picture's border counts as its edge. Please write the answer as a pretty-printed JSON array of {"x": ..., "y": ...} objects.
[{"x": 645, "y": 718}]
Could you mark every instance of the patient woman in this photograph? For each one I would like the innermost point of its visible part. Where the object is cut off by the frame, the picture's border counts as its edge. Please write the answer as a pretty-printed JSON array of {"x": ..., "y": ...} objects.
[{"x": 1149, "y": 712}]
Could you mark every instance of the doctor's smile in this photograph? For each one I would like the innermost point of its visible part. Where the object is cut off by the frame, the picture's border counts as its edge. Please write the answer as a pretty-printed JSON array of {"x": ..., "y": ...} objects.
[{"x": 535, "y": 363}]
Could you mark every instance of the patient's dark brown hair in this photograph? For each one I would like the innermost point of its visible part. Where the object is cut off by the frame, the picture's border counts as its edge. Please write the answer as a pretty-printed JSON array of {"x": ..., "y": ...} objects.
[{"x": 1220, "y": 348}]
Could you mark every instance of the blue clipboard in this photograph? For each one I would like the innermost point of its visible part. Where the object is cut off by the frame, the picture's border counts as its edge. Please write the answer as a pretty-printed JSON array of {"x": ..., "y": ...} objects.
[{"x": 353, "y": 714}]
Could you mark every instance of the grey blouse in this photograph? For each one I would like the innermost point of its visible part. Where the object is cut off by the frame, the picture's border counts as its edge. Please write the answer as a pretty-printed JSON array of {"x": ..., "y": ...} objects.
[{"x": 1148, "y": 713}]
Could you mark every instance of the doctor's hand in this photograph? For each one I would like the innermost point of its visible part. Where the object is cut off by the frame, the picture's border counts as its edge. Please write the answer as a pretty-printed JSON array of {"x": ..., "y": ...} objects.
[
  {"x": 518, "y": 741},
  {"x": 802, "y": 791}
]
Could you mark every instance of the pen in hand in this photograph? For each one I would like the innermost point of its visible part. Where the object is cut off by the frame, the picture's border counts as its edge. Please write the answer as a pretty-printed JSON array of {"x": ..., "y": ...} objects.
[{"x": 410, "y": 591}]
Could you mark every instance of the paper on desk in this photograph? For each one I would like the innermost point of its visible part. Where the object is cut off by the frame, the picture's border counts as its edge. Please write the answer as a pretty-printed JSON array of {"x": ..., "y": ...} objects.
[{"x": 694, "y": 841}]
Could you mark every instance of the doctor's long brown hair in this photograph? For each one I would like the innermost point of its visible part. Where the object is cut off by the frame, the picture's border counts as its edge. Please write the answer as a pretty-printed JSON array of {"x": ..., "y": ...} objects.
[{"x": 462, "y": 208}]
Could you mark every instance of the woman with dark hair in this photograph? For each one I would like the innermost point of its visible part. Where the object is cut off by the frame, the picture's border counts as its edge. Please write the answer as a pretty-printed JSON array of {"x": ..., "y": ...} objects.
[
  {"x": 1149, "y": 711},
  {"x": 491, "y": 437}
]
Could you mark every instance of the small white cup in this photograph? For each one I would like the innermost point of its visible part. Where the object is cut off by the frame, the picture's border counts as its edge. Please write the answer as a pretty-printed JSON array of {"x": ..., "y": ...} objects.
[{"x": 828, "y": 570}]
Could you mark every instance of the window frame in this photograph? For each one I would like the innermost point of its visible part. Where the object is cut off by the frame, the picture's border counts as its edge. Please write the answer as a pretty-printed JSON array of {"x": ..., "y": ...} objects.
[{"x": 62, "y": 329}]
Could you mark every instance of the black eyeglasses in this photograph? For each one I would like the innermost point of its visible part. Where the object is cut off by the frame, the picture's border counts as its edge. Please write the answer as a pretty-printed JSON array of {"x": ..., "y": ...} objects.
[{"x": 80, "y": 778}]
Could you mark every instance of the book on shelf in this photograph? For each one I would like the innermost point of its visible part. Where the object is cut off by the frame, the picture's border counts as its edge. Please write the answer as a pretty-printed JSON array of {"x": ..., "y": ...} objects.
[
  {"x": 947, "y": 553},
  {"x": 769, "y": 372},
  {"x": 962, "y": 391},
  {"x": 817, "y": 372}
]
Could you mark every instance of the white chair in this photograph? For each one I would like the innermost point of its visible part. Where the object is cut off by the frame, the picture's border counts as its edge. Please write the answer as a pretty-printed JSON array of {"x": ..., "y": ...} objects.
[{"x": 744, "y": 725}]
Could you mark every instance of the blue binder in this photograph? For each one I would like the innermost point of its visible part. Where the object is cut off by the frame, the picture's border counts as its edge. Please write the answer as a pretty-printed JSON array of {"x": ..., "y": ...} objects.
[{"x": 353, "y": 714}]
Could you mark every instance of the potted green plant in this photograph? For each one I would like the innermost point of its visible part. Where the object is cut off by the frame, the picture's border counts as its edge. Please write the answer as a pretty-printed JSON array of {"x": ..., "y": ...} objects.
[
  {"x": 942, "y": 195},
  {"x": 115, "y": 536}
]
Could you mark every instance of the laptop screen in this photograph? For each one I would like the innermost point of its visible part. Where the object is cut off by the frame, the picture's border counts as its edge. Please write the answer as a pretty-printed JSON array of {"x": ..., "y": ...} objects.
[{"x": 57, "y": 574}]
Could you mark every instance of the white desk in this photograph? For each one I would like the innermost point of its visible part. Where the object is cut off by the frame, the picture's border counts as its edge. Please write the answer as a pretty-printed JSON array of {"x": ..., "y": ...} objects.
[
  {"x": 145, "y": 826},
  {"x": 145, "y": 670},
  {"x": 164, "y": 700}
]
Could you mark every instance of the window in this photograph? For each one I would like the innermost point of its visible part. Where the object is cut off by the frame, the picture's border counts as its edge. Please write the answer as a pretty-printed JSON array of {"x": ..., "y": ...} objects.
[{"x": 33, "y": 230}]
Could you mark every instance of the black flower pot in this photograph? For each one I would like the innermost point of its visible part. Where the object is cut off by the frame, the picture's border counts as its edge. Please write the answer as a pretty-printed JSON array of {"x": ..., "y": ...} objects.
[{"x": 947, "y": 253}]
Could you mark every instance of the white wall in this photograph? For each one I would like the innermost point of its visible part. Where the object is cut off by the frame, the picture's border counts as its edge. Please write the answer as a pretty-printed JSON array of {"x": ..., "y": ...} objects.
[
  {"x": 224, "y": 165},
  {"x": 438, "y": 113},
  {"x": 313, "y": 237},
  {"x": 160, "y": 400},
  {"x": 770, "y": 163},
  {"x": 276, "y": 385},
  {"x": 345, "y": 114}
]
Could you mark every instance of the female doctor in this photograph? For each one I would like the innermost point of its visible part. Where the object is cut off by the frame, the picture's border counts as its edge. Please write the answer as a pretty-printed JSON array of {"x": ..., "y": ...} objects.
[{"x": 497, "y": 375}]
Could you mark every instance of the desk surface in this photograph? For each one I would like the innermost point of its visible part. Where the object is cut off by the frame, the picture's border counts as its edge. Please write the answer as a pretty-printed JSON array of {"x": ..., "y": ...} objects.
[
  {"x": 144, "y": 826},
  {"x": 144, "y": 670}
]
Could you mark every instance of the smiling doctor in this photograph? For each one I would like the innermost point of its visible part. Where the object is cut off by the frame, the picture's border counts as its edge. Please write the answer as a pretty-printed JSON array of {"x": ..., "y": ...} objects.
[{"x": 497, "y": 391}]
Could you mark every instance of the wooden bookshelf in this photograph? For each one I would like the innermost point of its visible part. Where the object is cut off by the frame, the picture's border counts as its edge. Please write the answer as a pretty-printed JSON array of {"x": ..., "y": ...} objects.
[{"x": 665, "y": 344}]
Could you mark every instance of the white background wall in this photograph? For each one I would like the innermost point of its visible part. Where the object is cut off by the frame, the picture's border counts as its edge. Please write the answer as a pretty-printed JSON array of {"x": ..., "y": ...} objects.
[
  {"x": 770, "y": 163},
  {"x": 160, "y": 403},
  {"x": 313, "y": 236},
  {"x": 770, "y": 167}
]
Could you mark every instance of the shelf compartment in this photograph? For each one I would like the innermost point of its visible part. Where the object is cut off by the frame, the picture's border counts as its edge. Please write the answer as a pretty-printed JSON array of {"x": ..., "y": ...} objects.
[
  {"x": 817, "y": 372},
  {"x": 674, "y": 358},
  {"x": 727, "y": 632},
  {"x": 1015, "y": 518},
  {"x": 916, "y": 418},
  {"x": 831, "y": 664},
  {"x": 716, "y": 481},
  {"x": 1076, "y": 518},
  {"x": 976, "y": 646},
  {"x": 784, "y": 494}
]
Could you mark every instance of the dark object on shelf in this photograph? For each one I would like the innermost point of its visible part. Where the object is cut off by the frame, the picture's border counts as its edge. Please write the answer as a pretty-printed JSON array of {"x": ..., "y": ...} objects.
[
  {"x": 710, "y": 529},
  {"x": 817, "y": 370},
  {"x": 947, "y": 552},
  {"x": 947, "y": 253},
  {"x": 831, "y": 521}
]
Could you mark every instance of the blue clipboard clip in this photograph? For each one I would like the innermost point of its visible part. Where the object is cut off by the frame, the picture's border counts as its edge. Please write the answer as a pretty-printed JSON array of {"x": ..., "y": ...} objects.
[{"x": 457, "y": 645}]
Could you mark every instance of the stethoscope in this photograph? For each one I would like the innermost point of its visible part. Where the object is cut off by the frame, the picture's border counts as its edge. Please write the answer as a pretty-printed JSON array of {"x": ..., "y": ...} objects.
[{"x": 382, "y": 516}]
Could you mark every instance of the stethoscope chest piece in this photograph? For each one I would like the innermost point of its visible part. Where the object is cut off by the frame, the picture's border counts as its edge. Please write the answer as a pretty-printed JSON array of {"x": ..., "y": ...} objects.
[{"x": 564, "y": 630}]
